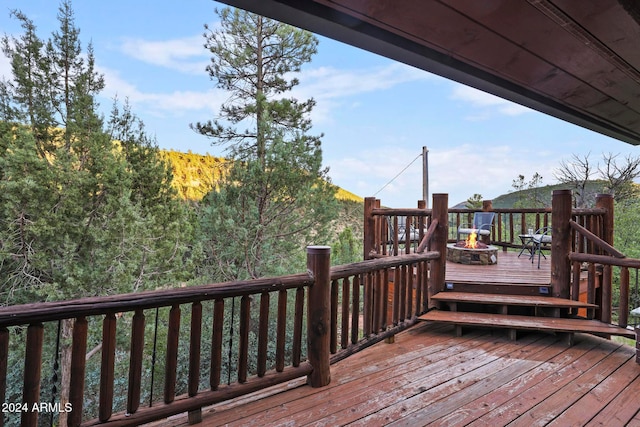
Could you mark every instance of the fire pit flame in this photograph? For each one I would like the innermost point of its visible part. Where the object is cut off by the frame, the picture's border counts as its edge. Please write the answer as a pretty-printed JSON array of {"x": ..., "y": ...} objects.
[{"x": 472, "y": 240}]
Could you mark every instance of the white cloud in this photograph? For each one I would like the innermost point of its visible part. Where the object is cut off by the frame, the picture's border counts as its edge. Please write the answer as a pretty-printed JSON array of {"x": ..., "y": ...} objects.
[
  {"x": 486, "y": 102},
  {"x": 174, "y": 103},
  {"x": 186, "y": 55},
  {"x": 329, "y": 86},
  {"x": 329, "y": 82},
  {"x": 468, "y": 169}
]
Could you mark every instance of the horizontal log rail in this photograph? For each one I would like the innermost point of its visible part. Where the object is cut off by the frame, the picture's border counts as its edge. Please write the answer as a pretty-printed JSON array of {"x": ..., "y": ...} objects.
[
  {"x": 207, "y": 332},
  {"x": 51, "y": 311},
  {"x": 368, "y": 266},
  {"x": 604, "y": 260}
]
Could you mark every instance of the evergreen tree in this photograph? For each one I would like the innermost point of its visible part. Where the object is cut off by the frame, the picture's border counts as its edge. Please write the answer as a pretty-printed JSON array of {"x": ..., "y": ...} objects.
[
  {"x": 474, "y": 202},
  {"x": 82, "y": 215},
  {"x": 276, "y": 197}
]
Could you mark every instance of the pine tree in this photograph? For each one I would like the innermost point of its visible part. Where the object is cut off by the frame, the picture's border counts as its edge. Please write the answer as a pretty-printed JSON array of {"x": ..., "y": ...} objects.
[{"x": 276, "y": 197}]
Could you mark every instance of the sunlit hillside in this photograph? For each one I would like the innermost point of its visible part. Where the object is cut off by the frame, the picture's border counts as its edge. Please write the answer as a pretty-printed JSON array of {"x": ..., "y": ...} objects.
[
  {"x": 194, "y": 175},
  {"x": 343, "y": 194}
]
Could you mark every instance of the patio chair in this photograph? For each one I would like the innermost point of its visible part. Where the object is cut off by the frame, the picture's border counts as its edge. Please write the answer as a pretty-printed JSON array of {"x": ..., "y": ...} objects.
[
  {"x": 481, "y": 225},
  {"x": 541, "y": 240}
]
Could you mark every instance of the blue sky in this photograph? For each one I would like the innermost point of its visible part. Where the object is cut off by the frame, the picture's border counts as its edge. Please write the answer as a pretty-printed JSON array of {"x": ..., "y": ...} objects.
[{"x": 375, "y": 114}]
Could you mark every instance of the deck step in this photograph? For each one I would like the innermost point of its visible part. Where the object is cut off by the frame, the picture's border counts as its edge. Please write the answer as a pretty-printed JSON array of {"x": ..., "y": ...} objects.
[
  {"x": 532, "y": 289},
  {"x": 519, "y": 300},
  {"x": 526, "y": 322}
]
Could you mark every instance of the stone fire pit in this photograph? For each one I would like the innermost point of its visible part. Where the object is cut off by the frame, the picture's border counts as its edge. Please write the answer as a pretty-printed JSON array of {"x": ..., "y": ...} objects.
[{"x": 482, "y": 255}]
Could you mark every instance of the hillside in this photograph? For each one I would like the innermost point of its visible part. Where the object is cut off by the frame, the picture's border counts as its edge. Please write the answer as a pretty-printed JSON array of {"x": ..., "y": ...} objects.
[
  {"x": 544, "y": 193},
  {"x": 195, "y": 175}
]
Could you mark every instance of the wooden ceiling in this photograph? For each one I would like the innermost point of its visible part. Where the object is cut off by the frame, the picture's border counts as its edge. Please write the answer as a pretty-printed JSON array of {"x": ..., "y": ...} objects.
[{"x": 578, "y": 60}]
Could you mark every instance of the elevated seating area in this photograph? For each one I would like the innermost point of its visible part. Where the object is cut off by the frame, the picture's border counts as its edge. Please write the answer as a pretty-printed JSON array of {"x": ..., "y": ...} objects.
[{"x": 521, "y": 293}]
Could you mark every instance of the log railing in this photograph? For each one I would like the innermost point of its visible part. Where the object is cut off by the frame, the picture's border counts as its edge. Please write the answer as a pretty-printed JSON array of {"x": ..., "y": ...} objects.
[
  {"x": 380, "y": 223},
  {"x": 163, "y": 333},
  {"x": 374, "y": 299},
  {"x": 204, "y": 344},
  {"x": 508, "y": 225},
  {"x": 588, "y": 257},
  {"x": 393, "y": 231}
]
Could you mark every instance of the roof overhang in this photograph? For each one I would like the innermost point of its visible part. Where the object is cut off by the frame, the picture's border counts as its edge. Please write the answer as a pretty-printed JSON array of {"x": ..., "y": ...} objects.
[{"x": 575, "y": 60}]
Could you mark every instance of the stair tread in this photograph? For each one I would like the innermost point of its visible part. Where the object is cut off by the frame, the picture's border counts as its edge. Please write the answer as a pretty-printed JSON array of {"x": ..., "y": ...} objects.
[
  {"x": 512, "y": 288},
  {"x": 493, "y": 283},
  {"x": 524, "y": 300},
  {"x": 526, "y": 322}
]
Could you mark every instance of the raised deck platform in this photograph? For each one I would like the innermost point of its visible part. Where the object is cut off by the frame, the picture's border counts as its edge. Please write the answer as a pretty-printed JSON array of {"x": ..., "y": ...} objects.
[{"x": 511, "y": 271}]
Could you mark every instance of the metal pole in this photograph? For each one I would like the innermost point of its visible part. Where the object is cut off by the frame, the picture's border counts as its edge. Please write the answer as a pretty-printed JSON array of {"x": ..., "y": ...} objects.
[{"x": 425, "y": 175}]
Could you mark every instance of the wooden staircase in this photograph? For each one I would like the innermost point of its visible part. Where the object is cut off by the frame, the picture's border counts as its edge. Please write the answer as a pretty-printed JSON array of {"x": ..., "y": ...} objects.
[{"x": 522, "y": 309}]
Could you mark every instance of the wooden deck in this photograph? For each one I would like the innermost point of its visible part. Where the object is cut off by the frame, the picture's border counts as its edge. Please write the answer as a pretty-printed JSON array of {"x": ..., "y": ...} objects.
[{"x": 430, "y": 377}]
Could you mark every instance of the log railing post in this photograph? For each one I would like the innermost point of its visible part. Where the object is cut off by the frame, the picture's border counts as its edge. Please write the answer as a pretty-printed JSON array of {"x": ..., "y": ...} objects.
[
  {"x": 32, "y": 372},
  {"x": 561, "y": 243},
  {"x": 604, "y": 297},
  {"x": 318, "y": 315},
  {"x": 421, "y": 220},
  {"x": 439, "y": 212},
  {"x": 369, "y": 227},
  {"x": 78, "y": 364},
  {"x": 171, "y": 356},
  {"x": 605, "y": 201},
  {"x": 216, "y": 343},
  {"x": 195, "y": 346},
  {"x": 136, "y": 359},
  {"x": 105, "y": 407}
]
